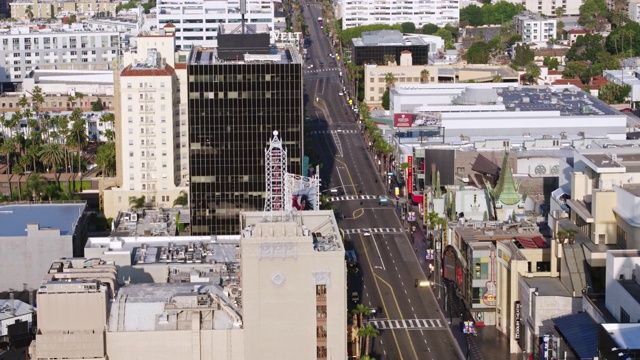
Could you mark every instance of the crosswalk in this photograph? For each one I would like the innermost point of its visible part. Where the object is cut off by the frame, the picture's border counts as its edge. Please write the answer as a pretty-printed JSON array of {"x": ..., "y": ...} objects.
[
  {"x": 373, "y": 231},
  {"x": 320, "y": 70},
  {"x": 410, "y": 324},
  {"x": 317, "y": 132},
  {"x": 353, "y": 197}
]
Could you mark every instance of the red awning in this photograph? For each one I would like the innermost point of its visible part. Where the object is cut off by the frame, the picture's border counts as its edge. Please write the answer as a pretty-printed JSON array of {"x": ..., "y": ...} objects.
[{"x": 417, "y": 198}]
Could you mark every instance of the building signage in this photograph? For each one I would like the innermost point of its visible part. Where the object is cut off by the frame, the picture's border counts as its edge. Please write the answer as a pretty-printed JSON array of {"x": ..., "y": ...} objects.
[
  {"x": 402, "y": 120},
  {"x": 518, "y": 314},
  {"x": 410, "y": 175}
]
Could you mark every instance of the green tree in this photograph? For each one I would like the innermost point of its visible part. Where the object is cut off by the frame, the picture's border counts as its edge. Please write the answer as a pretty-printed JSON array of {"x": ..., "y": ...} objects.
[
  {"x": 560, "y": 12},
  {"x": 385, "y": 100},
  {"x": 577, "y": 69},
  {"x": 472, "y": 15},
  {"x": 408, "y": 27},
  {"x": 28, "y": 12},
  {"x": 524, "y": 55},
  {"x": 368, "y": 332},
  {"x": 478, "y": 53},
  {"x": 52, "y": 154},
  {"x": 106, "y": 158},
  {"x": 36, "y": 184},
  {"x": 613, "y": 93},
  {"x": 624, "y": 40},
  {"x": 429, "y": 29},
  {"x": 182, "y": 199},
  {"x": 424, "y": 76},
  {"x": 445, "y": 34},
  {"x": 137, "y": 202},
  {"x": 551, "y": 62},
  {"x": 586, "y": 48},
  {"x": 389, "y": 79},
  {"x": 97, "y": 105},
  {"x": 532, "y": 72},
  {"x": 591, "y": 13}
]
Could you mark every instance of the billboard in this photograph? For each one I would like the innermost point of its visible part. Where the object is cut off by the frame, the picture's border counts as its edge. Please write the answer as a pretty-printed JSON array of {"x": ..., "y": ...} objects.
[
  {"x": 303, "y": 192},
  {"x": 402, "y": 120}
]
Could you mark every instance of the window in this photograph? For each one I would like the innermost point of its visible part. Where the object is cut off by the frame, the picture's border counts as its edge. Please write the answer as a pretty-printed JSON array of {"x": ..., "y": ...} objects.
[
  {"x": 131, "y": 152},
  {"x": 624, "y": 316},
  {"x": 131, "y": 165}
]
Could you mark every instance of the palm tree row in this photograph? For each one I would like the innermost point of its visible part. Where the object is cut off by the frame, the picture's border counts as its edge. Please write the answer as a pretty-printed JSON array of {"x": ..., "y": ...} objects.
[
  {"x": 373, "y": 136},
  {"x": 362, "y": 330},
  {"x": 37, "y": 142}
]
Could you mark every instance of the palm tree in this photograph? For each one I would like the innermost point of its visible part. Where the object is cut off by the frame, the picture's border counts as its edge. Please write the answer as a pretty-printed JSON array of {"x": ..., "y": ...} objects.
[
  {"x": 137, "y": 202},
  {"x": 8, "y": 147},
  {"x": 182, "y": 199},
  {"x": 424, "y": 76},
  {"x": 497, "y": 78},
  {"x": 29, "y": 12},
  {"x": 361, "y": 311},
  {"x": 389, "y": 79},
  {"x": 559, "y": 12},
  {"x": 36, "y": 184},
  {"x": 368, "y": 332},
  {"x": 52, "y": 154},
  {"x": 532, "y": 72}
]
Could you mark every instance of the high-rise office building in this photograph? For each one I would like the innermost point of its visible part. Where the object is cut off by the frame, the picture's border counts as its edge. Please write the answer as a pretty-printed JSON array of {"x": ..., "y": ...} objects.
[
  {"x": 197, "y": 21},
  {"x": 239, "y": 93}
]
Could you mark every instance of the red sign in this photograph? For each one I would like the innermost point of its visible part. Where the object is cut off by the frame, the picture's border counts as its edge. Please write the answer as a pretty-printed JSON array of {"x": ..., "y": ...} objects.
[
  {"x": 402, "y": 120},
  {"x": 410, "y": 175}
]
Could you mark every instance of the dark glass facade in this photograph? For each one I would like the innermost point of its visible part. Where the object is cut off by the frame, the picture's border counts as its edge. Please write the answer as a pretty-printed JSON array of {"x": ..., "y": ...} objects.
[
  {"x": 375, "y": 54},
  {"x": 234, "y": 108}
]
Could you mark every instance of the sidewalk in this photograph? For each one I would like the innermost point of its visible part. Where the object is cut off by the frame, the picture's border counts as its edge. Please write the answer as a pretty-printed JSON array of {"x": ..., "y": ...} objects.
[{"x": 488, "y": 343}]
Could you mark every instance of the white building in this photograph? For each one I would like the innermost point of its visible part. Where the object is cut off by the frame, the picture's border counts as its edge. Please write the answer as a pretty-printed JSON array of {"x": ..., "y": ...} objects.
[
  {"x": 629, "y": 77},
  {"x": 534, "y": 116},
  {"x": 367, "y": 12},
  {"x": 24, "y": 49},
  {"x": 634, "y": 10},
  {"x": 14, "y": 311},
  {"x": 535, "y": 28},
  {"x": 548, "y": 7},
  {"x": 622, "y": 285},
  {"x": 152, "y": 141},
  {"x": 197, "y": 21}
]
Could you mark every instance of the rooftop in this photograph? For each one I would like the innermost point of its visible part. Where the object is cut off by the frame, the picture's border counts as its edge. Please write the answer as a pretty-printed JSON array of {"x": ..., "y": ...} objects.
[
  {"x": 547, "y": 286},
  {"x": 145, "y": 223},
  {"x": 391, "y": 37},
  {"x": 14, "y": 218},
  {"x": 13, "y": 308},
  {"x": 172, "y": 249},
  {"x": 625, "y": 335},
  {"x": 155, "y": 307},
  {"x": 562, "y": 100}
]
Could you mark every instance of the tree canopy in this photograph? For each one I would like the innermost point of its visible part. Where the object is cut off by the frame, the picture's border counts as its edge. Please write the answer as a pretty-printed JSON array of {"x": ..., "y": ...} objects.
[
  {"x": 489, "y": 14},
  {"x": 478, "y": 53},
  {"x": 586, "y": 48}
]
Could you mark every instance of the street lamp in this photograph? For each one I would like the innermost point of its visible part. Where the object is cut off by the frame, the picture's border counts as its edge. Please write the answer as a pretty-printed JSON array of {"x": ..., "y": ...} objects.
[{"x": 429, "y": 284}]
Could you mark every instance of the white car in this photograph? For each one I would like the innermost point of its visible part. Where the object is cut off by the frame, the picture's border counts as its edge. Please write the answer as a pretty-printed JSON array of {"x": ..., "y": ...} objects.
[
  {"x": 310, "y": 66},
  {"x": 340, "y": 93},
  {"x": 366, "y": 232}
]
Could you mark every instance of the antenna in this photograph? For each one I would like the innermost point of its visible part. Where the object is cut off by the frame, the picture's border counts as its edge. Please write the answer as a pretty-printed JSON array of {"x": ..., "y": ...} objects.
[
  {"x": 243, "y": 11},
  {"x": 275, "y": 172}
]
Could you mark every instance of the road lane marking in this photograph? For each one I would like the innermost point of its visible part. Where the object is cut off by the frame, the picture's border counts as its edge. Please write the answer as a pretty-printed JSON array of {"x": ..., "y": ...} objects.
[
  {"x": 379, "y": 254},
  {"x": 410, "y": 324}
]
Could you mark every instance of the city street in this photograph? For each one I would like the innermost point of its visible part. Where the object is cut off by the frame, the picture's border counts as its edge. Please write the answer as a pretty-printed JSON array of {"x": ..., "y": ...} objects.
[{"x": 410, "y": 322}]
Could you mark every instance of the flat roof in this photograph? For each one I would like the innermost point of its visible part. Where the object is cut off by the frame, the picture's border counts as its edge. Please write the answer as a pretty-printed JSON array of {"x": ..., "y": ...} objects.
[
  {"x": 633, "y": 189},
  {"x": 548, "y": 286},
  {"x": 14, "y": 218},
  {"x": 172, "y": 249},
  {"x": 282, "y": 55},
  {"x": 19, "y": 309},
  {"x": 625, "y": 335},
  {"x": 144, "y": 307}
]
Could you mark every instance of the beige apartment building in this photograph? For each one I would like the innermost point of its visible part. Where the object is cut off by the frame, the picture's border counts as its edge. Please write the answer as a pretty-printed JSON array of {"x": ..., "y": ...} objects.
[
  {"x": 151, "y": 122},
  {"x": 43, "y": 9},
  {"x": 276, "y": 291},
  {"x": 375, "y": 76}
]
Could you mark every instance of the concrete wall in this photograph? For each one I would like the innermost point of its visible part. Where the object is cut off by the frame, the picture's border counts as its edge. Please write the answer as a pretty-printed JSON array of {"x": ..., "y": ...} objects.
[
  {"x": 25, "y": 259},
  {"x": 605, "y": 221},
  {"x": 279, "y": 296},
  {"x": 622, "y": 263},
  {"x": 180, "y": 344}
]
